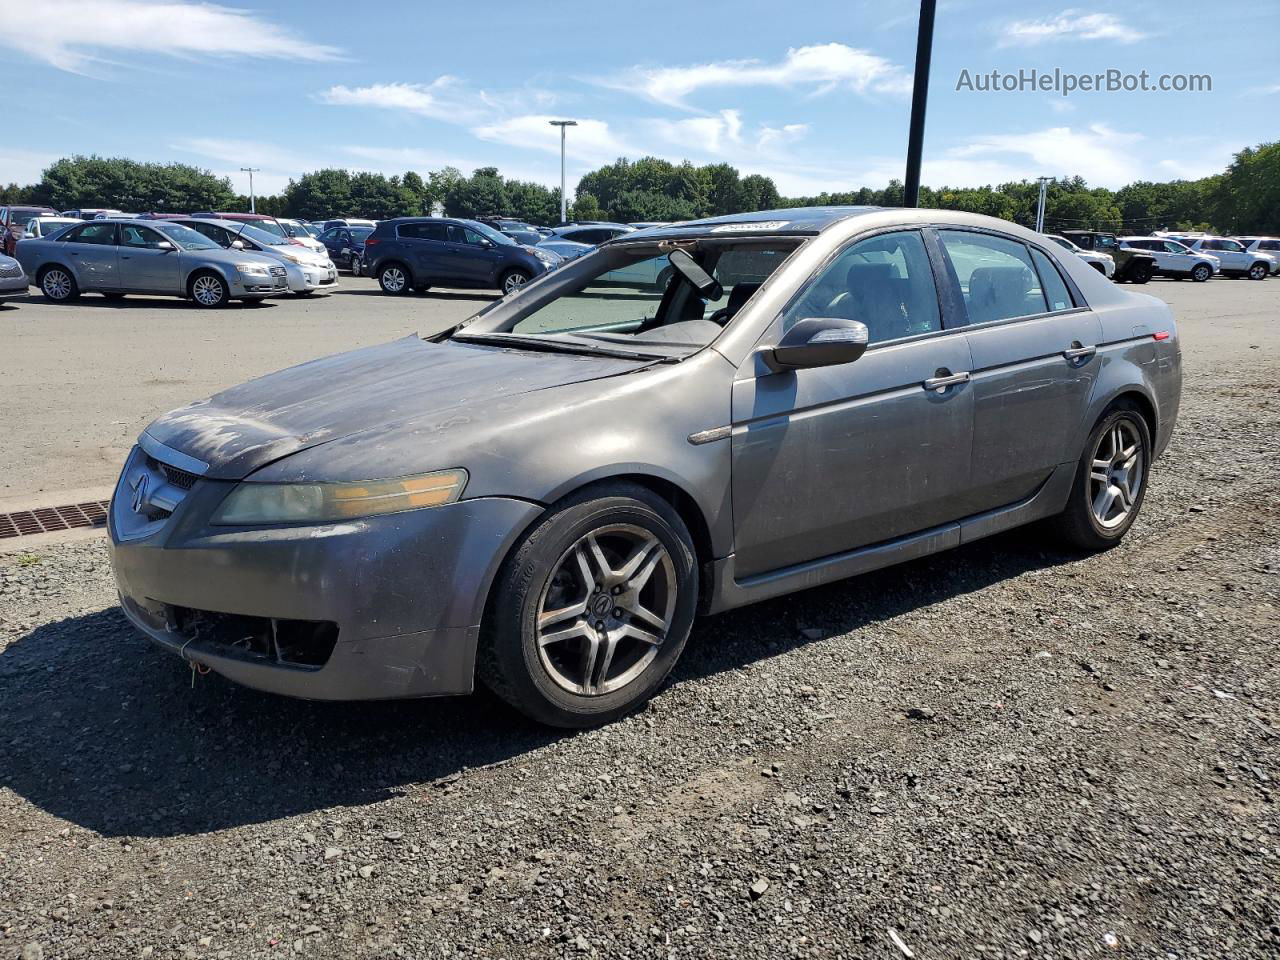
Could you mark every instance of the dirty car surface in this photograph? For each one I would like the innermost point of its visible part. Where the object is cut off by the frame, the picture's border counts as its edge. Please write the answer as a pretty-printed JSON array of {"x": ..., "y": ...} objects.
[{"x": 546, "y": 496}]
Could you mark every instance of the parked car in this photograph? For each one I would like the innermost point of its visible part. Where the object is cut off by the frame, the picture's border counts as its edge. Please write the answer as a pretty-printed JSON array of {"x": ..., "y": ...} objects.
[
  {"x": 13, "y": 223},
  {"x": 13, "y": 281},
  {"x": 308, "y": 271},
  {"x": 345, "y": 246},
  {"x": 89, "y": 213},
  {"x": 1174, "y": 259},
  {"x": 517, "y": 230},
  {"x": 546, "y": 496},
  {"x": 565, "y": 249},
  {"x": 1104, "y": 263},
  {"x": 38, "y": 227},
  {"x": 1132, "y": 266},
  {"x": 1235, "y": 259},
  {"x": 117, "y": 257},
  {"x": 1268, "y": 245},
  {"x": 414, "y": 253},
  {"x": 349, "y": 222},
  {"x": 592, "y": 233}
]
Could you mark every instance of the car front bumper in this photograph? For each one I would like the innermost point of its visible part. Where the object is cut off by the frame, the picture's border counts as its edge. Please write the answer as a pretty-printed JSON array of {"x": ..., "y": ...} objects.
[
  {"x": 405, "y": 592},
  {"x": 307, "y": 278}
]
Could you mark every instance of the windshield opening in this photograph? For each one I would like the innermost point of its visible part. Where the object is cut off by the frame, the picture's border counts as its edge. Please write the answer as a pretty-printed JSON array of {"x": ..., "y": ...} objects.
[
  {"x": 630, "y": 295},
  {"x": 255, "y": 233},
  {"x": 270, "y": 226}
]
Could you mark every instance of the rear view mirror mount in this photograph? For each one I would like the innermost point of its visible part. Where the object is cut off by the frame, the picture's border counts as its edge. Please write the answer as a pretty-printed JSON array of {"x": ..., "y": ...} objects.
[{"x": 708, "y": 287}]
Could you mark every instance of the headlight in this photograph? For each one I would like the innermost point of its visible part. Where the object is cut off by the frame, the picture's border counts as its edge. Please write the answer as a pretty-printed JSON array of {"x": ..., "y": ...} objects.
[
  {"x": 256, "y": 503},
  {"x": 254, "y": 269},
  {"x": 546, "y": 256},
  {"x": 291, "y": 258}
]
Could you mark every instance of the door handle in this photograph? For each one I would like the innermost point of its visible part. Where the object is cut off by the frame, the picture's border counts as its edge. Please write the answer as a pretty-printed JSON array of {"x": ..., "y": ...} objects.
[
  {"x": 945, "y": 379},
  {"x": 1078, "y": 352}
]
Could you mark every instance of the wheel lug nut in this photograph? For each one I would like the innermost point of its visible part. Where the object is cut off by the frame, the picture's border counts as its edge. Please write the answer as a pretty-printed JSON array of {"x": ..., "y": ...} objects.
[
  {"x": 617, "y": 611},
  {"x": 616, "y": 591}
]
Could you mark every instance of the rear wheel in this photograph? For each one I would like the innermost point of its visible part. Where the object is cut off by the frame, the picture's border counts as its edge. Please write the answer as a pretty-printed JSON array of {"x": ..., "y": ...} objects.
[
  {"x": 58, "y": 285},
  {"x": 1110, "y": 481},
  {"x": 208, "y": 290},
  {"x": 1201, "y": 273},
  {"x": 1259, "y": 271},
  {"x": 593, "y": 609},
  {"x": 1142, "y": 272},
  {"x": 394, "y": 279}
]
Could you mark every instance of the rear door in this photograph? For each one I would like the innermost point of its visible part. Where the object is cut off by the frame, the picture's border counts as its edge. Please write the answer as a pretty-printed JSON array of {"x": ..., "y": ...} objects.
[
  {"x": 144, "y": 266},
  {"x": 830, "y": 459},
  {"x": 423, "y": 246},
  {"x": 1034, "y": 362},
  {"x": 92, "y": 254}
]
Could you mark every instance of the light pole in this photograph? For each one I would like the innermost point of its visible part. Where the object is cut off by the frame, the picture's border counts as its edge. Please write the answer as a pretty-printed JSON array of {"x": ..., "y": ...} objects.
[
  {"x": 919, "y": 98},
  {"x": 251, "y": 171},
  {"x": 564, "y": 210},
  {"x": 1044, "y": 189}
]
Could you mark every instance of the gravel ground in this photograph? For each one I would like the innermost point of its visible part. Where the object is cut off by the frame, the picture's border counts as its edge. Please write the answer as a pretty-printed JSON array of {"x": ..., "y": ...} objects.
[{"x": 1002, "y": 751}]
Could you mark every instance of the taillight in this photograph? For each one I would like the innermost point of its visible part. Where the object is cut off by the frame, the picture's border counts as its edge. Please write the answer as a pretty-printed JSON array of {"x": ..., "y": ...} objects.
[
  {"x": 371, "y": 241},
  {"x": 1162, "y": 335}
]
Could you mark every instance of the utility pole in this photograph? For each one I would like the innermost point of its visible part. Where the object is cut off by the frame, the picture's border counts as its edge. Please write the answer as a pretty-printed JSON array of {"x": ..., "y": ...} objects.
[
  {"x": 1044, "y": 191},
  {"x": 919, "y": 99},
  {"x": 251, "y": 171},
  {"x": 564, "y": 209}
]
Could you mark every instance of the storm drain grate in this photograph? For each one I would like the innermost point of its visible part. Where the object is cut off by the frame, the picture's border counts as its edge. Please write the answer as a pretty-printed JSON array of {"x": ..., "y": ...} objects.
[{"x": 23, "y": 523}]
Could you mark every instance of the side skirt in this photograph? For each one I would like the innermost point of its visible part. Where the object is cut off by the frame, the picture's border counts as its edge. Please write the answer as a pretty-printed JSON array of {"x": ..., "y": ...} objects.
[{"x": 727, "y": 592}]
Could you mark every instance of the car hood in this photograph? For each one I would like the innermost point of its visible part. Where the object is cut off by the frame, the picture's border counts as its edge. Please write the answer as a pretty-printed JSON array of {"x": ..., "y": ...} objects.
[{"x": 248, "y": 426}]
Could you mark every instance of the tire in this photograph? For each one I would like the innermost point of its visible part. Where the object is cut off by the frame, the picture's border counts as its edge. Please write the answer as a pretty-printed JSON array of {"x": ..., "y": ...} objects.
[
  {"x": 663, "y": 280},
  {"x": 599, "y": 531},
  {"x": 1259, "y": 271},
  {"x": 58, "y": 284},
  {"x": 1100, "y": 268},
  {"x": 355, "y": 267},
  {"x": 394, "y": 279},
  {"x": 207, "y": 290},
  {"x": 1085, "y": 523},
  {"x": 1201, "y": 272},
  {"x": 513, "y": 280},
  {"x": 1141, "y": 274}
]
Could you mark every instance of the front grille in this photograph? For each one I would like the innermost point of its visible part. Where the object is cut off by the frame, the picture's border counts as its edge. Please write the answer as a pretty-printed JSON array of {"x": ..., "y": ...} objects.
[
  {"x": 179, "y": 478},
  {"x": 10, "y": 270},
  {"x": 277, "y": 271}
]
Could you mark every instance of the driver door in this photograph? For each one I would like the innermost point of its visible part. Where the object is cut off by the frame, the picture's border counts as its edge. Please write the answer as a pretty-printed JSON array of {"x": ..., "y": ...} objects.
[
  {"x": 830, "y": 459},
  {"x": 144, "y": 266}
]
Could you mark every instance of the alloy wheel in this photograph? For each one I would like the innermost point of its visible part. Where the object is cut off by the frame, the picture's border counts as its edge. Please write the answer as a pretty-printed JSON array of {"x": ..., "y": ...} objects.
[
  {"x": 56, "y": 285},
  {"x": 393, "y": 280},
  {"x": 1258, "y": 271},
  {"x": 1116, "y": 474},
  {"x": 513, "y": 282},
  {"x": 207, "y": 291},
  {"x": 606, "y": 609}
]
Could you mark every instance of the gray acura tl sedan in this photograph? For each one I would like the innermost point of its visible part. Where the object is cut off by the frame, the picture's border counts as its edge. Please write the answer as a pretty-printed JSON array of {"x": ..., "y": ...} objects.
[{"x": 545, "y": 496}]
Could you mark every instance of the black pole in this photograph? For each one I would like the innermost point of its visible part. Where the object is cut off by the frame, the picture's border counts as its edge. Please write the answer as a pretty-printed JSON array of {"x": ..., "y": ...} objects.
[{"x": 919, "y": 98}]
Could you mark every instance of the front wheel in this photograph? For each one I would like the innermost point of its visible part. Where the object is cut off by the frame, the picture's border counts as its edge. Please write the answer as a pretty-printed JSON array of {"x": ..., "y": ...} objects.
[
  {"x": 513, "y": 280},
  {"x": 1201, "y": 273},
  {"x": 208, "y": 290},
  {"x": 355, "y": 267},
  {"x": 1259, "y": 271},
  {"x": 593, "y": 609},
  {"x": 393, "y": 279},
  {"x": 1110, "y": 482}
]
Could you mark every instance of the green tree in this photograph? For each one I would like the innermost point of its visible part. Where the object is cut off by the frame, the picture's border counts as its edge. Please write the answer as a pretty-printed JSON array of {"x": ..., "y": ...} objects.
[
  {"x": 321, "y": 194},
  {"x": 94, "y": 181}
]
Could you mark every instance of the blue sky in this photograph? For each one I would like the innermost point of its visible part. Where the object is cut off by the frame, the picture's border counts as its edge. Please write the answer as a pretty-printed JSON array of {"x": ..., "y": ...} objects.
[{"x": 814, "y": 93}]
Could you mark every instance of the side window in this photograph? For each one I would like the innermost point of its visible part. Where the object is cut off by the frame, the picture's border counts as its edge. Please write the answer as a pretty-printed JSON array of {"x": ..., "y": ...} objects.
[
  {"x": 102, "y": 232},
  {"x": 1051, "y": 282},
  {"x": 134, "y": 236},
  {"x": 329, "y": 236},
  {"x": 1231, "y": 246},
  {"x": 884, "y": 281},
  {"x": 455, "y": 233},
  {"x": 1269, "y": 245},
  {"x": 1210, "y": 245},
  {"x": 214, "y": 233},
  {"x": 435, "y": 231},
  {"x": 996, "y": 276},
  {"x": 473, "y": 238},
  {"x": 409, "y": 231}
]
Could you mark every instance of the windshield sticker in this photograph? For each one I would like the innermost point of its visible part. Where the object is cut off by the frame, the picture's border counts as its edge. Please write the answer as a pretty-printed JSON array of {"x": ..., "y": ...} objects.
[{"x": 757, "y": 226}]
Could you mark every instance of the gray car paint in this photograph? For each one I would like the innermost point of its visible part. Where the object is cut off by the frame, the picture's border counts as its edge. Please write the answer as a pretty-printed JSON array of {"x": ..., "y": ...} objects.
[
  {"x": 13, "y": 281},
  {"x": 778, "y": 497}
]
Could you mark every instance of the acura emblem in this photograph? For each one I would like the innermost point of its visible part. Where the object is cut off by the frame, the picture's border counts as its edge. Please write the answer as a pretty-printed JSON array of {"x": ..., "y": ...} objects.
[{"x": 139, "y": 492}]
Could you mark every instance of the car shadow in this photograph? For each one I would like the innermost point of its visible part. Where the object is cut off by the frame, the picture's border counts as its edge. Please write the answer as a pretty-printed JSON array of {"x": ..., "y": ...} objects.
[
  {"x": 481, "y": 295},
  {"x": 136, "y": 301},
  {"x": 102, "y": 730}
]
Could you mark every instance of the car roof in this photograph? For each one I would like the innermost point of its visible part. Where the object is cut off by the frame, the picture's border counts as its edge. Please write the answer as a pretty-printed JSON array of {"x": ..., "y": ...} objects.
[{"x": 793, "y": 220}]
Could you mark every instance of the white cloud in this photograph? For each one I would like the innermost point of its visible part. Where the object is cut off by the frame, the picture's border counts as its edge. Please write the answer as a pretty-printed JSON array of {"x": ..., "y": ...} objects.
[
  {"x": 445, "y": 98},
  {"x": 823, "y": 67},
  {"x": 72, "y": 34},
  {"x": 1103, "y": 156},
  {"x": 1069, "y": 25},
  {"x": 590, "y": 142}
]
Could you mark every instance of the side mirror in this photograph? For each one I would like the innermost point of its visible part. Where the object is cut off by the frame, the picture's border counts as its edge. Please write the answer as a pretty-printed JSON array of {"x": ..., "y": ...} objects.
[
  {"x": 237, "y": 244},
  {"x": 165, "y": 245},
  {"x": 818, "y": 342}
]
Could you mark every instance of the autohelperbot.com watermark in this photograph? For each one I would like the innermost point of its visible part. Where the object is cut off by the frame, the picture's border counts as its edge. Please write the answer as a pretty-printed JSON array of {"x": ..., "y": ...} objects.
[{"x": 1066, "y": 82}]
